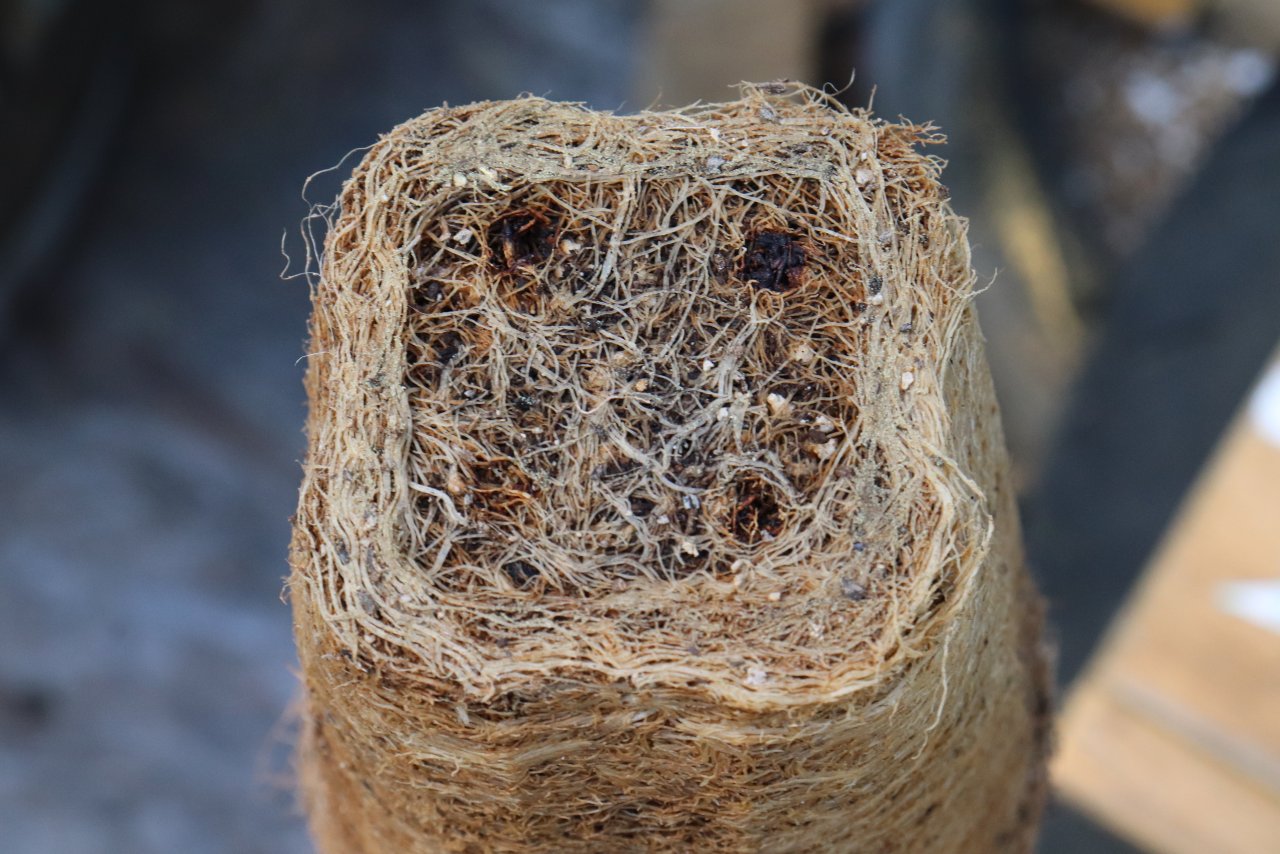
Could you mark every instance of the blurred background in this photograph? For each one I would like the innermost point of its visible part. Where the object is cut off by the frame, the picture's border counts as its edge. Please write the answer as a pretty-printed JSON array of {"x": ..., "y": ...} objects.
[{"x": 1119, "y": 160}]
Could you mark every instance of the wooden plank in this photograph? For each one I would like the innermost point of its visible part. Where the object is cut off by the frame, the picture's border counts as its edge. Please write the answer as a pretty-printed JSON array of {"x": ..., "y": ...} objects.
[
  {"x": 698, "y": 49},
  {"x": 1253, "y": 22},
  {"x": 1149, "y": 786},
  {"x": 1155, "y": 13},
  {"x": 1173, "y": 734}
]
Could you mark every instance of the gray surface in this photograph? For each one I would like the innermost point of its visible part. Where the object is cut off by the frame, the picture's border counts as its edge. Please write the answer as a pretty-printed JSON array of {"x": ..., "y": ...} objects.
[{"x": 151, "y": 411}]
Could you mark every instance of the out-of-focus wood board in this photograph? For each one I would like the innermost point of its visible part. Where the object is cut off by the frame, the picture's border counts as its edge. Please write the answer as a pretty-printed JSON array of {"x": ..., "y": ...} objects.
[
  {"x": 698, "y": 49},
  {"x": 1172, "y": 736},
  {"x": 1252, "y": 22},
  {"x": 1156, "y": 13},
  {"x": 1247, "y": 22}
]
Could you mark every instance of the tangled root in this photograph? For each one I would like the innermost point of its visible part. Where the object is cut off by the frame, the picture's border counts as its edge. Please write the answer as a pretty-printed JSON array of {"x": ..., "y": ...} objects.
[{"x": 656, "y": 497}]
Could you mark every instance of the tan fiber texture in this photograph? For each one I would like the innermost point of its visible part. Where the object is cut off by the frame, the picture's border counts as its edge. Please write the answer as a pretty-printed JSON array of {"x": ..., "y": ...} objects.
[{"x": 656, "y": 498}]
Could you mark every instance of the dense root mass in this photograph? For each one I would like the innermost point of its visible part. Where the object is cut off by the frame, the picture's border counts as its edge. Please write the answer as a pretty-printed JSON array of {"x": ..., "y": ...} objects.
[{"x": 656, "y": 497}]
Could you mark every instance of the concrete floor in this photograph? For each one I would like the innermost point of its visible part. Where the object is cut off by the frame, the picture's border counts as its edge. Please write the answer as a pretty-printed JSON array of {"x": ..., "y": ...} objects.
[{"x": 151, "y": 410}]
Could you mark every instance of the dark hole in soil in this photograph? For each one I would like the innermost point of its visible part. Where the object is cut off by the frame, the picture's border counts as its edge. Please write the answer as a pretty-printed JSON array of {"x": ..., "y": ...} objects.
[
  {"x": 427, "y": 297},
  {"x": 756, "y": 512},
  {"x": 774, "y": 261},
  {"x": 520, "y": 238},
  {"x": 939, "y": 597},
  {"x": 641, "y": 506},
  {"x": 600, "y": 319},
  {"x": 521, "y": 573},
  {"x": 447, "y": 347}
]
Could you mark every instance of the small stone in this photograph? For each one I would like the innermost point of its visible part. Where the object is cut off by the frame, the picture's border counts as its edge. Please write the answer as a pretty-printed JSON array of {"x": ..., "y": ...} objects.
[
  {"x": 862, "y": 176},
  {"x": 907, "y": 379},
  {"x": 707, "y": 365},
  {"x": 459, "y": 180},
  {"x": 569, "y": 246},
  {"x": 778, "y": 405},
  {"x": 715, "y": 163},
  {"x": 852, "y": 590},
  {"x": 825, "y": 451},
  {"x": 775, "y": 596},
  {"x": 757, "y": 676},
  {"x": 641, "y": 385},
  {"x": 803, "y": 353},
  {"x": 824, "y": 424},
  {"x": 463, "y": 236}
]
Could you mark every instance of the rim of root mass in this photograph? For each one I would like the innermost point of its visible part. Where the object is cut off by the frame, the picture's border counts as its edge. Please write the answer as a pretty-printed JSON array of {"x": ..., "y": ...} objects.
[{"x": 660, "y": 397}]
